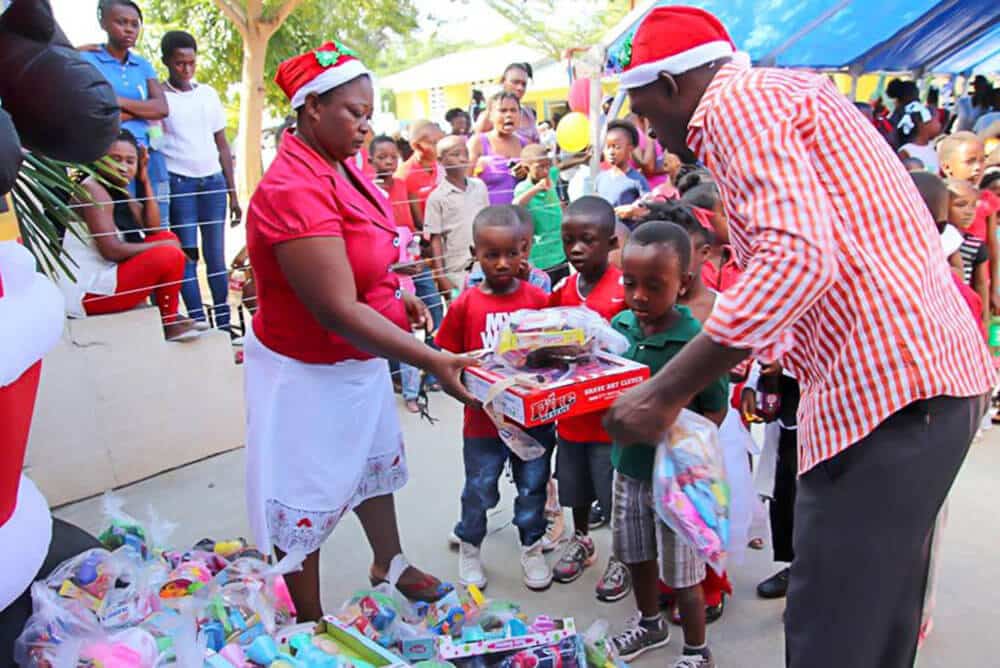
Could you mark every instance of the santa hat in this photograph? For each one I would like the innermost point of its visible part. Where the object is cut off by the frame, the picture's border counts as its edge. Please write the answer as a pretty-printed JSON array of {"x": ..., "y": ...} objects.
[
  {"x": 318, "y": 71},
  {"x": 674, "y": 40}
]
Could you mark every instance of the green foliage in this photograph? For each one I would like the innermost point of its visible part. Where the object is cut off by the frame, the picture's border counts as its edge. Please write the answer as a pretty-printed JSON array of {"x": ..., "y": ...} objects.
[
  {"x": 546, "y": 25},
  {"x": 42, "y": 194},
  {"x": 367, "y": 26}
]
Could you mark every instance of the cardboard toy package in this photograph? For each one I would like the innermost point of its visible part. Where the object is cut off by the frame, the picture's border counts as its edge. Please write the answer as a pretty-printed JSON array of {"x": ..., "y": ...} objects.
[{"x": 539, "y": 396}]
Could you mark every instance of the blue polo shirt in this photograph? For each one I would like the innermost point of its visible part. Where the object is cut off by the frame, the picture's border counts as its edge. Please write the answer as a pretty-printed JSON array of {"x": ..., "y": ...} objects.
[{"x": 129, "y": 79}]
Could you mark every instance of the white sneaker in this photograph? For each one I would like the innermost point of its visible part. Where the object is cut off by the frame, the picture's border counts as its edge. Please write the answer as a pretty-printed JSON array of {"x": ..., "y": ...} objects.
[
  {"x": 470, "y": 566},
  {"x": 555, "y": 531},
  {"x": 202, "y": 325},
  {"x": 537, "y": 573}
]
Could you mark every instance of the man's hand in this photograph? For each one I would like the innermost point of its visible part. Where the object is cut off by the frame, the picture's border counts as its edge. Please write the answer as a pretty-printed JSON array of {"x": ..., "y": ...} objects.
[
  {"x": 448, "y": 368},
  {"x": 142, "y": 164},
  {"x": 445, "y": 286},
  {"x": 416, "y": 311},
  {"x": 748, "y": 406},
  {"x": 235, "y": 211},
  {"x": 641, "y": 415},
  {"x": 630, "y": 211}
]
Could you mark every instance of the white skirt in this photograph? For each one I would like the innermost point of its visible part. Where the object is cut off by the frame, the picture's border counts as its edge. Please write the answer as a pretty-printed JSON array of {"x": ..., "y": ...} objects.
[
  {"x": 321, "y": 439},
  {"x": 736, "y": 444}
]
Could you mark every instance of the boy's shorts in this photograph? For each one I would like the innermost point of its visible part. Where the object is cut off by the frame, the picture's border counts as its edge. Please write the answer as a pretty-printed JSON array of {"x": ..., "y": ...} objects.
[{"x": 639, "y": 535}]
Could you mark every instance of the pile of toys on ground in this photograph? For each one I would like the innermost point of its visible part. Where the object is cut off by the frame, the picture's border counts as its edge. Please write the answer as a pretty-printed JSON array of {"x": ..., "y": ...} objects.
[{"x": 224, "y": 605}]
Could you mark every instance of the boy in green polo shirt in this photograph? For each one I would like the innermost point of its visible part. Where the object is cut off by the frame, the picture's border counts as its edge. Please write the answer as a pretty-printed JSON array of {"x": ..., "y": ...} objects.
[
  {"x": 655, "y": 272},
  {"x": 538, "y": 194}
]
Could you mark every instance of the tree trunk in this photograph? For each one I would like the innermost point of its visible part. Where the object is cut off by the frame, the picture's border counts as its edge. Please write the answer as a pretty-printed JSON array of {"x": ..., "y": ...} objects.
[{"x": 252, "y": 97}]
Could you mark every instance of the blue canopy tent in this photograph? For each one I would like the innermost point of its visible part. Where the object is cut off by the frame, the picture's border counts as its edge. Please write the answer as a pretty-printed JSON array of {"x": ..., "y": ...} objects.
[
  {"x": 948, "y": 28},
  {"x": 854, "y": 35},
  {"x": 820, "y": 34},
  {"x": 981, "y": 55}
]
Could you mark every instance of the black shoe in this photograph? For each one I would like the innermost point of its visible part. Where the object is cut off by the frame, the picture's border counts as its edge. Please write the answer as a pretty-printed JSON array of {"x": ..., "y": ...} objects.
[
  {"x": 775, "y": 586},
  {"x": 598, "y": 518},
  {"x": 713, "y": 613}
]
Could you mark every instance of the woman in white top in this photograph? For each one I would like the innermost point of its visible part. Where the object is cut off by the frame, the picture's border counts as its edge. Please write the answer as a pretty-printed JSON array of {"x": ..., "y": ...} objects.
[
  {"x": 201, "y": 175},
  {"x": 111, "y": 274}
]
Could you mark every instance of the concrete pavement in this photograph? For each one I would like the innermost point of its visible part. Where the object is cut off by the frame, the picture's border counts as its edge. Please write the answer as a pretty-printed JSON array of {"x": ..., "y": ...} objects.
[{"x": 206, "y": 499}]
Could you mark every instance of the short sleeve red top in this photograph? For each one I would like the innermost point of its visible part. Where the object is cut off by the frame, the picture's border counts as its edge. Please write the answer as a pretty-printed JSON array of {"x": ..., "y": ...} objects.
[
  {"x": 302, "y": 196},
  {"x": 474, "y": 322},
  {"x": 420, "y": 181},
  {"x": 988, "y": 205},
  {"x": 606, "y": 298},
  {"x": 400, "y": 201}
]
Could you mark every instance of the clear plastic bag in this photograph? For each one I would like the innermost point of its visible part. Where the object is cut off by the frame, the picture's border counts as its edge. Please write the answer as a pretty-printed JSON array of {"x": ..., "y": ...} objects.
[
  {"x": 56, "y": 631},
  {"x": 112, "y": 585},
  {"x": 690, "y": 490},
  {"x": 541, "y": 338}
]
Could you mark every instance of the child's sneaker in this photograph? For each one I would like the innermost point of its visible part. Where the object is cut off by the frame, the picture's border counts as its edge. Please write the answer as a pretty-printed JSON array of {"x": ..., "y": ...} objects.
[
  {"x": 578, "y": 555},
  {"x": 554, "y": 530},
  {"x": 537, "y": 574},
  {"x": 701, "y": 659},
  {"x": 616, "y": 583},
  {"x": 470, "y": 566},
  {"x": 641, "y": 637}
]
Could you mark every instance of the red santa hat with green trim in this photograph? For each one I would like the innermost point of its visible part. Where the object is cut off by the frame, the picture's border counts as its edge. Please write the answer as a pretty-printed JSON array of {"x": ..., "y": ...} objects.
[
  {"x": 674, "y": 40},
  {"x": 318, "y": 71}
]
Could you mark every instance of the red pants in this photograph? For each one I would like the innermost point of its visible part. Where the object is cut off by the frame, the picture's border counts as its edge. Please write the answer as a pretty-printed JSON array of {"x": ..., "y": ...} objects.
[{"x": 158, "y": 271}]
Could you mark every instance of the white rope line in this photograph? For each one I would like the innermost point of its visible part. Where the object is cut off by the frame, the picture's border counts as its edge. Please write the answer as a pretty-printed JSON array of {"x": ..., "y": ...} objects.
[{"x": 156, "y": 286}]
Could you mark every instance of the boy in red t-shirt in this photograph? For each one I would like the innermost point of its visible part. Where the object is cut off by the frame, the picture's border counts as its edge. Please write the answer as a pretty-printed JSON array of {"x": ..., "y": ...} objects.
[
  {"x": 583, "y": 460},
  {"x": 474, "y": 322}
]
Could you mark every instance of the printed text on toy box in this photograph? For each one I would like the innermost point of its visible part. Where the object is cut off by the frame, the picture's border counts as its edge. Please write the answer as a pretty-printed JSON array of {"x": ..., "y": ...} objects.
[{"x": 613, "y": 386}]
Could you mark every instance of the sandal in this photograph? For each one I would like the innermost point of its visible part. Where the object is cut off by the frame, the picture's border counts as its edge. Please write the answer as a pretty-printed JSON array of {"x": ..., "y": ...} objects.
[
  {"x": 756, "y": 544},
  {"x": 427, "y": 590}
]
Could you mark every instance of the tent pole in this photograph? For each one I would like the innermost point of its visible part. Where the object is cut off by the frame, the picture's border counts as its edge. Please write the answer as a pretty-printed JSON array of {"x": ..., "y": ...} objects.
[
  {"x": 854, "y": 86},
  {"x": 597, "y": 119}
]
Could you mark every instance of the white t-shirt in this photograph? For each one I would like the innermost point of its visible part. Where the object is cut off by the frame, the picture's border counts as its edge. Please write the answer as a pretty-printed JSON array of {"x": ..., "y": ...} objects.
[
  {"x": 189, "y": 131},
  {"x": 925, "y": 154}
]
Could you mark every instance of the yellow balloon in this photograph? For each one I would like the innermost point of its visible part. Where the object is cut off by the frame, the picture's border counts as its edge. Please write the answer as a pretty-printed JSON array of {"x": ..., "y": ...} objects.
[{"x": 573, "y": 133}]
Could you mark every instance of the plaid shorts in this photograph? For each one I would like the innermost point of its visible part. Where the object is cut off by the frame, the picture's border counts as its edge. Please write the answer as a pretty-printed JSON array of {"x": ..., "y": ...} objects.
[{"x": 639, "y": 535}]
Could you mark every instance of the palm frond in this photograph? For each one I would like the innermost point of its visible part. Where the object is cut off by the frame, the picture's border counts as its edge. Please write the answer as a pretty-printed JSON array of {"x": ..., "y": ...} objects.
[{"x": 42, "y": 195}]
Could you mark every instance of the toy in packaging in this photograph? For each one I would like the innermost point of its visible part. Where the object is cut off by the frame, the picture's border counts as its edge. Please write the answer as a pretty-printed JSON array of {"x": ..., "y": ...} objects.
[
  {"x": 690, "y": 491},
  {"x": 555, "y": 336}
]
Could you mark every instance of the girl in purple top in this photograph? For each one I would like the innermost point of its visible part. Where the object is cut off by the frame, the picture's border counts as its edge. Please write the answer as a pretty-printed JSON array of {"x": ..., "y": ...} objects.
[{"x": 493, "y": 154}]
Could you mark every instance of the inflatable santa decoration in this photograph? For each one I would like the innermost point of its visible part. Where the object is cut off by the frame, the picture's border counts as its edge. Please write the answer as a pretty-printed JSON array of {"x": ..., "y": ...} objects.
[{"x": 56, "y": 104}]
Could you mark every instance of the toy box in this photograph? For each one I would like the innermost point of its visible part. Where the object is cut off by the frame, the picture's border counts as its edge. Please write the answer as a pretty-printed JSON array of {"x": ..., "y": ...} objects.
[
  {"x": 350, "y": 642},
  {"x": 450, "y": 649},
  {"x": 540, "y": 396}
]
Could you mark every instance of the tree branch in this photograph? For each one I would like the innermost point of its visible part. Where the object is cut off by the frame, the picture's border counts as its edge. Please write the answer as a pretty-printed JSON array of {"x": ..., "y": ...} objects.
[
  {"x": 280, "y": 14},
  {"x": 234, "y": 13}
]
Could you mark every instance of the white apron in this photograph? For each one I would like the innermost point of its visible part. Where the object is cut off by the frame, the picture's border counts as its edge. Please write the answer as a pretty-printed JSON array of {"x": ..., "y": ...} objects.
[{"x": 321, "y": 438}]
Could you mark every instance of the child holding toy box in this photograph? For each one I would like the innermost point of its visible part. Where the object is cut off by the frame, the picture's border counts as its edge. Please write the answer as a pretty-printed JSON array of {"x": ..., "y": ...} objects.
[
  {"x": 583, "y": 459},
  {"x": 474, "y": 322}
]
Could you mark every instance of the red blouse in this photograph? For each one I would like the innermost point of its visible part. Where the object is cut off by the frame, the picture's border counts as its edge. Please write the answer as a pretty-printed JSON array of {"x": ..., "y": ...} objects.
[{"x": 304, "y": 196}]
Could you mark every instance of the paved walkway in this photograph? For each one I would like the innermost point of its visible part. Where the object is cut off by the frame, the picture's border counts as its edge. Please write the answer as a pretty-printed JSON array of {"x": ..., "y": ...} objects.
[{"x": 206, "y": 499}]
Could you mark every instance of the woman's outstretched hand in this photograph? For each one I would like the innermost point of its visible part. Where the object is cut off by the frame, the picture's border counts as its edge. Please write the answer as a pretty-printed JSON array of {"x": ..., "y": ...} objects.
[{"x": 447, "y": 368}]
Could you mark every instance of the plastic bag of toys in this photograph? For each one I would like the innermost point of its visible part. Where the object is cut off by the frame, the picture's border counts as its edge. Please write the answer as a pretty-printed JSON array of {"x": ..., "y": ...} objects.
[
  {"x": 146, "y": 539},
  {"x": 555, "y": 336},
  {"x": 109, "y": 584},
  {"x": 690, "y": 491},
  {"x": 64, "y": 634}
]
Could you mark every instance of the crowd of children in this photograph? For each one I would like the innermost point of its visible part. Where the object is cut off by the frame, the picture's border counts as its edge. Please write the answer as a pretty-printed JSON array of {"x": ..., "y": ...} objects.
[{"x": 650, "y": 261}]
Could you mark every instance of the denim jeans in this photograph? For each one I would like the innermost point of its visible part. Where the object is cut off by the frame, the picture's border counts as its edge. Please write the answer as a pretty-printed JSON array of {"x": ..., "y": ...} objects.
[
  {"x": 426, "y": 289},
  {"x": 409, "y": 379},
  {"x": 484, "y": 461},
  {"x": 200, "y": 204}
]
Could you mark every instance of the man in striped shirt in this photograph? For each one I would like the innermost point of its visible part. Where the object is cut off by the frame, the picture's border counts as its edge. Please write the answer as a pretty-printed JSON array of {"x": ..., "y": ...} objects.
[{"x": 845, "y": 282}]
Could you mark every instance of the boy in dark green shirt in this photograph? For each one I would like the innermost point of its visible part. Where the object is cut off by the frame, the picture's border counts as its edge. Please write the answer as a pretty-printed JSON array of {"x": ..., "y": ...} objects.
[{"x": 655, "y": 272}]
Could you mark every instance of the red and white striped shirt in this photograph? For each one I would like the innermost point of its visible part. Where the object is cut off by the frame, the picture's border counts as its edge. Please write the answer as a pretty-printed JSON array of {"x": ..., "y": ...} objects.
[{"x": 845, "y": 280}]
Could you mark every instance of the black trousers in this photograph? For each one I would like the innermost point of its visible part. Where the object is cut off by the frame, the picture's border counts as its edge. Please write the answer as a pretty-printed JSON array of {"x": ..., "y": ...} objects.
[
  {"x": 863, "y": 522},
  {"x": 67, "y": 541},
  {"x": 782, "y": 506}
]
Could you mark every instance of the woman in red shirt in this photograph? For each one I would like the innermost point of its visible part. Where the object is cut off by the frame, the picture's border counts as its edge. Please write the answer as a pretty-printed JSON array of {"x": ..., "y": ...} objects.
[{"x": 323, "y": 436}]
